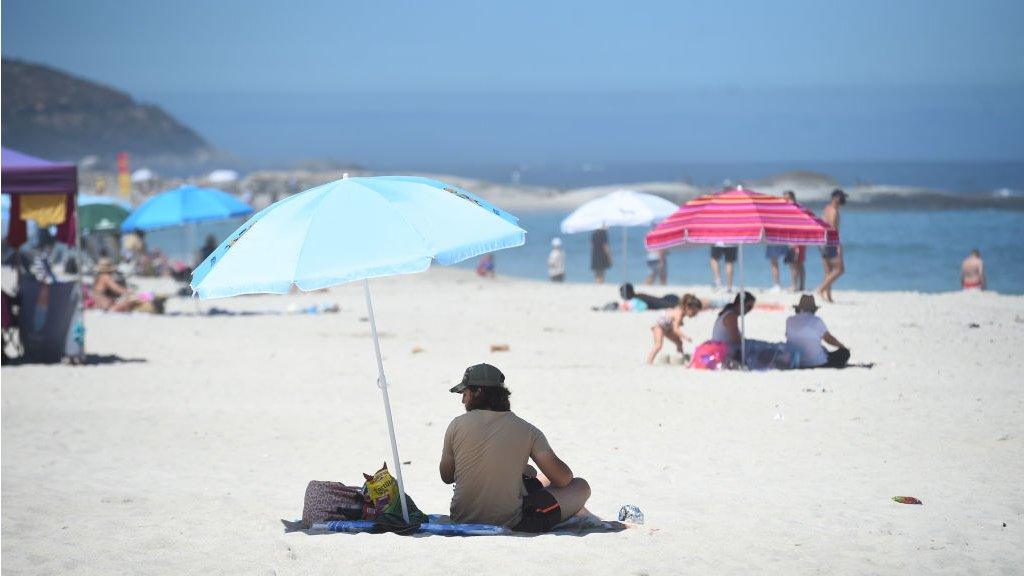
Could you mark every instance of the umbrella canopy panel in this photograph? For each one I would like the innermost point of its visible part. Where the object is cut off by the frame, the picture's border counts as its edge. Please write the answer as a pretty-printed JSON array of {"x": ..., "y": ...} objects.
[
  {"x": 741, "y": 217},
  {"x": 353, "y": 229},
  {"x": 100, "y": 217},
  {"x": 185, "y": 205},
  {"x": 621, "y": 208}
]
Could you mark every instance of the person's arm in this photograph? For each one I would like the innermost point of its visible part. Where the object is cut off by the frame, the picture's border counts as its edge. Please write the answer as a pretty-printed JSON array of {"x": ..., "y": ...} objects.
[
  {"x": 981, "y": 274},
  {"x": 731, "y": 324},
  {"x": 553, "y": 468},
  {"x": 447, "y": 466},
  {"x": 830, "y": 339},
  {"x": 677, "y": 325}
]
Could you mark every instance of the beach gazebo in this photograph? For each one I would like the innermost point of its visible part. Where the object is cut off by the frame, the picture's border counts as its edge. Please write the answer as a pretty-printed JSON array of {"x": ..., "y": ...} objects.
[{"x": 44, "y": 192}]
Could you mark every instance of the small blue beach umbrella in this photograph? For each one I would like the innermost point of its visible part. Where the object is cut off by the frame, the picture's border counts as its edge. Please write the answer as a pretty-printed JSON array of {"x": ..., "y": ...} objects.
[
  {"x": 356, "y": 229},
  {"x": 184, "y": 205}
]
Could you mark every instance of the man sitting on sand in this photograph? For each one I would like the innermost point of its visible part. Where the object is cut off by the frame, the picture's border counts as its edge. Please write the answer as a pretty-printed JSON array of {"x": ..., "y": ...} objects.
[
  {"x": 485, "y": 454},
  {"x": 805, "y": 332},
  {"x": 972, "y": 272}
]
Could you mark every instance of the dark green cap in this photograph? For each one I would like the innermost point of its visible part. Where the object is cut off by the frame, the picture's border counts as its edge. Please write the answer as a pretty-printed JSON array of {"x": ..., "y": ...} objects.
[{"x": 483, "y": 375}]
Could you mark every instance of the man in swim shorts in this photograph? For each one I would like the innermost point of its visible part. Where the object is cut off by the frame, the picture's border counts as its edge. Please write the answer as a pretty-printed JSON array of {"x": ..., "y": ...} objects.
[
  {"x": 485, "y": 455},
  {"x": 832, "y": 256},
  {"x": 718, "y": 252}
]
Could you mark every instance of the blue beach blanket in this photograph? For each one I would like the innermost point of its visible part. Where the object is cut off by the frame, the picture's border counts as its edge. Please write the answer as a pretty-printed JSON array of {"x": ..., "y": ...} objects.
[{"x": 440, "y": 525}]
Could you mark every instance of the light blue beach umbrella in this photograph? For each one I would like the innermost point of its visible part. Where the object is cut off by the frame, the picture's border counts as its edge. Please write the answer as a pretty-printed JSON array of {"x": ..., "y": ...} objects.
[
  {"x": 184, "y": 205},
  {"x": 356, "y": 229}
]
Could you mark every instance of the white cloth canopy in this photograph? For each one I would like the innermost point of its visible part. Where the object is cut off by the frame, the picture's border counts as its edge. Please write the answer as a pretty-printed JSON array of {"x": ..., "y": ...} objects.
[{"x": 620, "y": 208}]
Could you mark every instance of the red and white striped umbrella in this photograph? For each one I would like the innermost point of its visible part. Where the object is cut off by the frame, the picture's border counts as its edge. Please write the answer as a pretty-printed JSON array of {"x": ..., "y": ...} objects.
[{"x": 739, "y": 216}]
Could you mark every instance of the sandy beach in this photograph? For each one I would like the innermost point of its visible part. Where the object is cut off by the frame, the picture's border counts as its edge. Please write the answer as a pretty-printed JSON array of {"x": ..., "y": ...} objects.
[{"x": 184, "y": 448}]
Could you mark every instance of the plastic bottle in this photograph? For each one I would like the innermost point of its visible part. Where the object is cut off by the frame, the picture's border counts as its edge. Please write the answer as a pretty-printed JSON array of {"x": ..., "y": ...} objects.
[{"x": 632, "y": 514}]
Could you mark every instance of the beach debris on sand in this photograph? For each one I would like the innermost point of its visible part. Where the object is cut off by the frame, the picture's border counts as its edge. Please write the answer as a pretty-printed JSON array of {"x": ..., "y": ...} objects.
[{"x": 906, "y": 500}]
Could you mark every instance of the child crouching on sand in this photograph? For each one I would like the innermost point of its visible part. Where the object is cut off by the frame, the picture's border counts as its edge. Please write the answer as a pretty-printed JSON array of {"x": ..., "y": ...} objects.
[{"x": 669, "y": 322}]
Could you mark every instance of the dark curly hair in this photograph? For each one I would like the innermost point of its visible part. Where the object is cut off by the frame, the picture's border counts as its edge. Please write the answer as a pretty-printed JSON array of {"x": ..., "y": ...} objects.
[{"x": 493, "y": 398}]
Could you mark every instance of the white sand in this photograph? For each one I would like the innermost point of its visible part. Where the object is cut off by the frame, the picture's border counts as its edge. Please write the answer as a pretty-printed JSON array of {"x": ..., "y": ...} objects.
[{"x": 183, "y": 459}]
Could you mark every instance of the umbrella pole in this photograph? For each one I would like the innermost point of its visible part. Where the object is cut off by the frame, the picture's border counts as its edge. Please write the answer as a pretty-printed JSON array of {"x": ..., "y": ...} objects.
[
  {"x": 743, "y": 316},
  {"x": 382, "y": 383},
  {"x": 625, "y": 254}
]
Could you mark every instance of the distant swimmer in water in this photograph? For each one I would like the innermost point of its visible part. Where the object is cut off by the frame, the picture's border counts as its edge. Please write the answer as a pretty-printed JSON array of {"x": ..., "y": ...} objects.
[{"x": 972, "y": 272}]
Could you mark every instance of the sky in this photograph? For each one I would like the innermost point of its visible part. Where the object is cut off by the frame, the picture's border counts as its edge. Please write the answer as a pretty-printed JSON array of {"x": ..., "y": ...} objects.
[{"x": 530, "y": 81}]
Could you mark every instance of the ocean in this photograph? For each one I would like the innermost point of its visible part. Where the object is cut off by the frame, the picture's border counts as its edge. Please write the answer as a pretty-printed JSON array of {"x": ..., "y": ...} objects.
[{"x": 891, "y": 250}]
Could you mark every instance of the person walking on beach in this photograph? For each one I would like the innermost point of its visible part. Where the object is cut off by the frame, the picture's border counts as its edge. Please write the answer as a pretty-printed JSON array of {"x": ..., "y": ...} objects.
[
  {"x": 658, "y": 266},
  {"x": 556, "y": 261},
  {"x": 805, "y": 332},
  {"x": 600, "y": 254},
  {"x": 832, "y": 256},
  {"x": 727, "y": 253},
  {"x": 972, "y": 272},
  {"x": 485, "y": 455},
  {"x": 795, "y": 257}
]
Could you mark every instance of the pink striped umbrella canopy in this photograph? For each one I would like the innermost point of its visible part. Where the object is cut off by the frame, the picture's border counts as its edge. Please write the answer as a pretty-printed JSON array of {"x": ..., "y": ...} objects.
[{"x": 739, "y": 216}]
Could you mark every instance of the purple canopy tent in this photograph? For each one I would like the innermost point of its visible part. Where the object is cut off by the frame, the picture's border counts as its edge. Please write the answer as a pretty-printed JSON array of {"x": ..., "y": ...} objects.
[
  {"x": 50, "y": 315},
  {"x": 24, "y": 174}
]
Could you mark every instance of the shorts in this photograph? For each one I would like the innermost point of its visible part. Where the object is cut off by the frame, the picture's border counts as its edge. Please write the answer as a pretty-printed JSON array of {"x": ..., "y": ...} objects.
[
  {"x": 829, "y": 252},
  {"x": 541, "y": 512},
  {"x": 795, "y": 255},
  {"x": 727, "y": 252},
  {"x": 775, "y": 251},
  {"x": 654, "y": 265}
]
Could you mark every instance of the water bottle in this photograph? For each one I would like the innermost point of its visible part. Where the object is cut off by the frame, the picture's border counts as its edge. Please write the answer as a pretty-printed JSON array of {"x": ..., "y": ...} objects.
[{"x": 632, "y": 514}]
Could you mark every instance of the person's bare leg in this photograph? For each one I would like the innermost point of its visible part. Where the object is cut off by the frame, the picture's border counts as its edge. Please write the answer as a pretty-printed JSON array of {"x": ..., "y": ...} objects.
[
  {"x": 826, "y": 269},
  {"x": 715, "y": 273},
  {"x": 835, "y": 270},
  {"x": 803, "y": 275},
  {"x": 571, "y": 498},
  {"x": 599, "y": 276},
  {"x": 794, "y": 277},
  {"x": 728, "y": 274},
  {"x": 775, "y": 271},
  {"x": 649, "y": 280},
  {"x": 659, "y": 335},
  {"x": 663, "y": 274},
  {"x": 677, "y": 341}
]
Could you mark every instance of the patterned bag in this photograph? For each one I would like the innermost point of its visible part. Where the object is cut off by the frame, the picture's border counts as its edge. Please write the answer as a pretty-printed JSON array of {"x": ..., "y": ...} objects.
[
  {"x": 334, "y": 501},
  {"x": 710, "y": 355}
]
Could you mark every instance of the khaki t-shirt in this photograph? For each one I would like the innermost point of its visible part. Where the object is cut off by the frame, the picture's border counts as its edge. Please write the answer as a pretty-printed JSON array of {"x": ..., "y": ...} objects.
[{"x": 490, "y": 451}]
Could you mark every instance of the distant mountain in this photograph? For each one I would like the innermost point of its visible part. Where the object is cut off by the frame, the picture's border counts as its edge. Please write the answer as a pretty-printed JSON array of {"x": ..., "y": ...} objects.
[{"x": 54, "y": 115}]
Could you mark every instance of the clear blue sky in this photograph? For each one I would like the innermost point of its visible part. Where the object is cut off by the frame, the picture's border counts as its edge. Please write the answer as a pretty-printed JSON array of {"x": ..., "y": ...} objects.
[{"x": 814, "y": 72}]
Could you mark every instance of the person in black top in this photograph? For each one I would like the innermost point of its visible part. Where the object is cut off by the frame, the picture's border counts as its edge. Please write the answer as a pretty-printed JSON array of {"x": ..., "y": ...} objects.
[{"x": 600, "y": 255}]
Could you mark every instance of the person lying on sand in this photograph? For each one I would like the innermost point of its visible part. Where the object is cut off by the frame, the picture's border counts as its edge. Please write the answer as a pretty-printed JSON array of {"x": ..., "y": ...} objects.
[
  {"x": 485, "y": 455},
  {"x": 805, "y": 332},
  {"x": 669, "y": 324},
  {"x": 727, "y": 327}
]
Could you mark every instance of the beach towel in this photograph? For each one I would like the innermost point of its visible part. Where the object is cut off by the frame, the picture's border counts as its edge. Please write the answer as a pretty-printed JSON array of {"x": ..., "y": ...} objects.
[{"x": 440, "y": 525}]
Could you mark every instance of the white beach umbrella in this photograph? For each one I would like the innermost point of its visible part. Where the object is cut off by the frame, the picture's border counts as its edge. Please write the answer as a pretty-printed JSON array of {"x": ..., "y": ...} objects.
[
  {"x": 620, "y": 208},
  {"x": 143, "y": 175},
  {"x": 222, "y": 176}
]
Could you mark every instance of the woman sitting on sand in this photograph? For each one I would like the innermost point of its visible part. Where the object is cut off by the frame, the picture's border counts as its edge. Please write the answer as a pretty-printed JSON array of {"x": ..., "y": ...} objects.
[
  {"x": 727, "y": 327},
  {"x": 669, "y": 323},
  {"x": 107, "y": 292}
]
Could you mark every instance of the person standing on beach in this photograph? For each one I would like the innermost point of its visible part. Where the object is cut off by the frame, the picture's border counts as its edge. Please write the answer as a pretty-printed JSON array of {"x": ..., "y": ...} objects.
[
  {"x": 832, "y": 256},
  {"x": 972, "y": 272},
  {"x": 727, "y": 253},
  {"x": 485, "y": 454},
  {"x": 795, "y": 257},
  {"x": 658, "y": 266},
  {"x": 556, "y": 261},
  {"x": 600, "y": 254}
]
